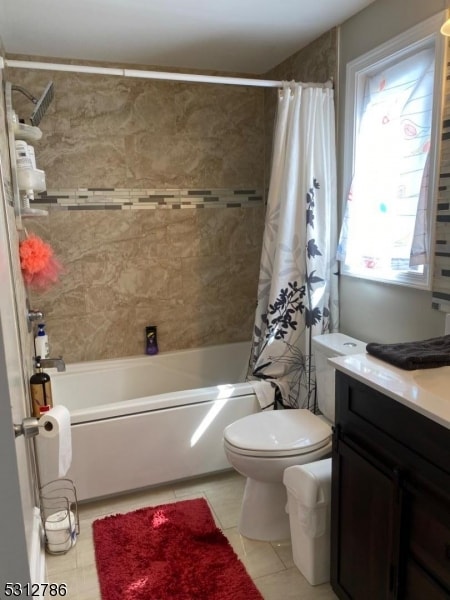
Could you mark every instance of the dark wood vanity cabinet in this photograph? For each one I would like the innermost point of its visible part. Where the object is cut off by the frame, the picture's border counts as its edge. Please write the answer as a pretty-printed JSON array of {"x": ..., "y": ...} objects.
[{"x": 390, "y": 508}]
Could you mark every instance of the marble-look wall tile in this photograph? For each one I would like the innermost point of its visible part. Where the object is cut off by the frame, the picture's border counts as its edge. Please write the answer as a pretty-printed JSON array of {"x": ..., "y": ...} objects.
[
  {"x": 7, "y": 198},
  {"x": 106, "y": 131},
  {"x": 316, "y": 63},
  {"x": 4, "y": 147},
  {"x": 441, "y": 259},
  {"x": 192, "y": 273}
]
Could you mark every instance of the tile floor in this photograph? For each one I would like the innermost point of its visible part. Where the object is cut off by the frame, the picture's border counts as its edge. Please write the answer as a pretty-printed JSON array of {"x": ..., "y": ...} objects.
[{"x": 269, "y": 564}]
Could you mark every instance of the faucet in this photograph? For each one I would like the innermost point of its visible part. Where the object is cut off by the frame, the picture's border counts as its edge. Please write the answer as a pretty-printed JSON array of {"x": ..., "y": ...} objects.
[
  {"x": 34, "y": 315},
  {"x": 57, "y": 362}
]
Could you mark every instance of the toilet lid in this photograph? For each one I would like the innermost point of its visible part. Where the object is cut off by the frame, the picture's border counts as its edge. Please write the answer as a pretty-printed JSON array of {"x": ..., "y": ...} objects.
[{"x": 278, "y": 433}]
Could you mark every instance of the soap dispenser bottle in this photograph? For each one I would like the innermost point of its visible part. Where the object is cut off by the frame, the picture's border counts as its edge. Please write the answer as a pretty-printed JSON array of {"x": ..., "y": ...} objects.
[
  {"x": 41, "y": 342},
  {"x": 41, "y": 390}
]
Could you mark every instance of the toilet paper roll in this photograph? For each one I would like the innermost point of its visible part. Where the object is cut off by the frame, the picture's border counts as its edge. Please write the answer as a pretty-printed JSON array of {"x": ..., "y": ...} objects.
[
  {"x": 60, "y": 530},
  {"x": 54, "y": 444}
]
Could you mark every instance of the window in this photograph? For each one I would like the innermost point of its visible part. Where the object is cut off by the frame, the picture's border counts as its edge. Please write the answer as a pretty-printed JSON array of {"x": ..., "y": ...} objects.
[{"x": 393, "y": 97}]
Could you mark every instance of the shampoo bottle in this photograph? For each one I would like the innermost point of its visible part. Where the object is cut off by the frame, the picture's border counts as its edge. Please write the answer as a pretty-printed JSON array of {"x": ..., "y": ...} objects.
[
  {"x": 41, "y": 342},
  {"x": 151, "y": 342},
  {"x": 41, "y": 390}
]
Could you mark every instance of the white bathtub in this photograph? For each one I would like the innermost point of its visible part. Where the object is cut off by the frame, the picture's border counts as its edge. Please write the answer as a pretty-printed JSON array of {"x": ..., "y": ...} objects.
[{"x": 149, "y": 420}]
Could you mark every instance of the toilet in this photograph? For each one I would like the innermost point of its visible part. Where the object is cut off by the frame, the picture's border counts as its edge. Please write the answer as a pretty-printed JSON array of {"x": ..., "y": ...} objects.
[{"x": 262, "y": 445}]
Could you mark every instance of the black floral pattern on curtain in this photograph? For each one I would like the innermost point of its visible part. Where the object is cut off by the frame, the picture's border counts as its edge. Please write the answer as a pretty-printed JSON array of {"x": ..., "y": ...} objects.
[
  {"x": 297, "y": 291},
  {"x": 283, "y": 317}
]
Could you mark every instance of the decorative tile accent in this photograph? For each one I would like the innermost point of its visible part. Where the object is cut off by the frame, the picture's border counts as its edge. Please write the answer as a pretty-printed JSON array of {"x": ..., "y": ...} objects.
[
  {"x": 441, "y": 275},
  {"x": 126, "y": 199}
]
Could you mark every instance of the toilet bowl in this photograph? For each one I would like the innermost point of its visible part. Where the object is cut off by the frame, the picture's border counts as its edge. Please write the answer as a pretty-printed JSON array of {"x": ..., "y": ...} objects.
[{"x": 261, "y": 446}]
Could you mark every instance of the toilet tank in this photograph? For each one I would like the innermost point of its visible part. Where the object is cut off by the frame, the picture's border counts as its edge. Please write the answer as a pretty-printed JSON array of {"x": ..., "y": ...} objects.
[{"x": 331, "y": 345}]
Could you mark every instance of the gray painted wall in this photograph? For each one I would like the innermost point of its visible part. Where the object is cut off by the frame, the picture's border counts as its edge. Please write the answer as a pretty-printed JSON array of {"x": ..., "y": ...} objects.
[{"x": 374, "y": 311}]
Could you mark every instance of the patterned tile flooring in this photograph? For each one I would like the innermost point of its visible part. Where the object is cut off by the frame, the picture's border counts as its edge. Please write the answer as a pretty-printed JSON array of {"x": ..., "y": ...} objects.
[{"x": 269, "y": 564}]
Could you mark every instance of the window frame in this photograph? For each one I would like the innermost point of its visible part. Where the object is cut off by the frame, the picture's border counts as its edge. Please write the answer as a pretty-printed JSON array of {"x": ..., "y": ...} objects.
[{"x": 423, "y": 35}]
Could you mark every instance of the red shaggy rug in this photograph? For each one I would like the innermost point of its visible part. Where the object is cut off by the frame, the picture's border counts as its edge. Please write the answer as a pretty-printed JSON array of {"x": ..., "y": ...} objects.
[{"x": 168, "y": 552}]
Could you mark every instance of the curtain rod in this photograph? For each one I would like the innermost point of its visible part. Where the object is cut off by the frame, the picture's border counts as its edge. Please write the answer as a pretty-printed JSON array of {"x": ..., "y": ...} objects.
[
  {"x": 186, "y": 77},
  {"x": 161, "y": 75}
]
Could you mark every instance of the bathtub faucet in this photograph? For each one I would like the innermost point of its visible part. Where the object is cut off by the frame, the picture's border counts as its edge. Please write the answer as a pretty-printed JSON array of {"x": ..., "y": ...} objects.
[{"x": 53, "y": 362}]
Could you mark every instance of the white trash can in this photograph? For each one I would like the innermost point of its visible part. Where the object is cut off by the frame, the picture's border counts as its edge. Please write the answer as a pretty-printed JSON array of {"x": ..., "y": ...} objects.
[{"x": 309, "y": 494}]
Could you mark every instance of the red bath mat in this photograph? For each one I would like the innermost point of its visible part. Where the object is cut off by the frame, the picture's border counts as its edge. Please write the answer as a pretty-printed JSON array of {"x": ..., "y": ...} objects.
[{"x": 168, "y": 552}]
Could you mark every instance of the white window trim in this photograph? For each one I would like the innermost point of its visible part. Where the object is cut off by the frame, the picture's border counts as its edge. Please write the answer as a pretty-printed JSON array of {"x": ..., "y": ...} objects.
[{"x": 404, "y": 44}]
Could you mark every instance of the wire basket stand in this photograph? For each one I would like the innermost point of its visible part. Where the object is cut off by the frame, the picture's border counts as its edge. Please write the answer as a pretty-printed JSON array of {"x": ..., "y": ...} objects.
[{"x": 59, "y": 515}]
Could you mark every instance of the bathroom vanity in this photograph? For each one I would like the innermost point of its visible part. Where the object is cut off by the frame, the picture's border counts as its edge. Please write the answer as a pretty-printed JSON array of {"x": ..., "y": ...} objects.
[{"x": 390, "y": 514}]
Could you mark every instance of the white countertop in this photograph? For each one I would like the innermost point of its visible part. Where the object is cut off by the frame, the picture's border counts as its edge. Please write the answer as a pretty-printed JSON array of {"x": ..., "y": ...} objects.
[{"x": 411, "y": 388}]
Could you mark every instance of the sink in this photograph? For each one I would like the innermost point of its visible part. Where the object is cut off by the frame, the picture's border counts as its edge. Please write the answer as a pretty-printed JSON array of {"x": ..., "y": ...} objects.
[{"x": 435, "y": 381}]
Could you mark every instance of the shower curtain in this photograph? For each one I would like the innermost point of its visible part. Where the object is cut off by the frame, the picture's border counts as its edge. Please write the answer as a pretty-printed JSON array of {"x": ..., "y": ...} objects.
[{"x": 297, "y": 290}]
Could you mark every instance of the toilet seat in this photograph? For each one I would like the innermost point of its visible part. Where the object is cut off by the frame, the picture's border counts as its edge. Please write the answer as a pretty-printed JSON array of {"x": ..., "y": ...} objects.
[{"x": 277, "y": 433}]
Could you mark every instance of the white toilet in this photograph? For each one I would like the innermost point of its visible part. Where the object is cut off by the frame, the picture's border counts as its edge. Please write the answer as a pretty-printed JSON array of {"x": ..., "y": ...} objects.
[{"x": 261, "y": 446}]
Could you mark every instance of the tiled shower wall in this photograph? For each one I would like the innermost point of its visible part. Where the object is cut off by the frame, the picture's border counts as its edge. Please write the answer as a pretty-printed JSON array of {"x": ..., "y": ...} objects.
[
  {"x": 155, "y": 200},
  {"x": 190, "y": 272},
  {"x": 6, "y": 196},
  {"x": 441, "y": 273}
]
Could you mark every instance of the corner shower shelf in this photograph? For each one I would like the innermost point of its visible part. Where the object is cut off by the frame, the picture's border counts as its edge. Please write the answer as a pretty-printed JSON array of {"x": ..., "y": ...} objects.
[
  {"x": 28, "y": 133},
  {"x": 31, "y": 179},
  {"x": 33, "y": 212},
  {"x": 25, "y": 181}
]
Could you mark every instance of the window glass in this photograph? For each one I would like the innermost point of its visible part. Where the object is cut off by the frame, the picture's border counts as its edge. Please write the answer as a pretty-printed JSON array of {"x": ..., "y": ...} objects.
[{"x": 386, "y": 229}]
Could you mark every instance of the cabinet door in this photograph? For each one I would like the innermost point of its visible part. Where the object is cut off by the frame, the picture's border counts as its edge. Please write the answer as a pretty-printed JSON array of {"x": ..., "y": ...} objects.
[
  {"x": 364, "y": 510},
  {"x": 427, "y": 546},
  {"x": 420, "y": 586}
]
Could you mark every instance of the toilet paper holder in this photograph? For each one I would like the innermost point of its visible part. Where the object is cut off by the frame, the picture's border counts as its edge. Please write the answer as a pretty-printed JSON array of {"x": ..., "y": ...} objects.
[
  {"x": 59, "y": 515},
  {"x": 28, "y": 428}
]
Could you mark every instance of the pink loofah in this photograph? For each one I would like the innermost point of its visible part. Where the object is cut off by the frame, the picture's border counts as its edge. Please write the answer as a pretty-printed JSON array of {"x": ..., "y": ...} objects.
[{"x": 40, "y": 268}]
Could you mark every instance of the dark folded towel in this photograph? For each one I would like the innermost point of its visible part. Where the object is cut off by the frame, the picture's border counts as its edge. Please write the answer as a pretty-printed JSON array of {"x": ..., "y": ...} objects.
[{"x": 427, "y": 354}]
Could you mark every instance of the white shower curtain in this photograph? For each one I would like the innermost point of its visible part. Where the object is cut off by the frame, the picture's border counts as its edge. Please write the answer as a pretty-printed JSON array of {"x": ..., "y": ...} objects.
[{"x": 297, "y": 291}]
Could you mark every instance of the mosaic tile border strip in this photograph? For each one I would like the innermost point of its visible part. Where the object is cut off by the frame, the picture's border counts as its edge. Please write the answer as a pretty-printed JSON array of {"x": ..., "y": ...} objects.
[
  {"x": 150, "y": 199},
  {"x": 441, "y": 270}
]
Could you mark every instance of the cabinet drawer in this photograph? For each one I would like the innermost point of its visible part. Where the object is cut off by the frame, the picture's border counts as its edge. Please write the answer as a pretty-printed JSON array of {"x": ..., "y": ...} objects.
[
  {"x": 429, "y": 535},
  {"x": 419, "y": 586},
  {"x": 365, "y": 411}
]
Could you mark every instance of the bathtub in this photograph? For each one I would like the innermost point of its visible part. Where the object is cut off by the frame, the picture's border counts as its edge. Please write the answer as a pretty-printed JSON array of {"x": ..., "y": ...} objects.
[{"x": 150, "y": 420}]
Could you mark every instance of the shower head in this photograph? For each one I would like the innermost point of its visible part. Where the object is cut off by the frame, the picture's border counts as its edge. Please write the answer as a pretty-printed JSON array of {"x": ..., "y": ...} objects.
[{"x": 41, "y": 104}]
